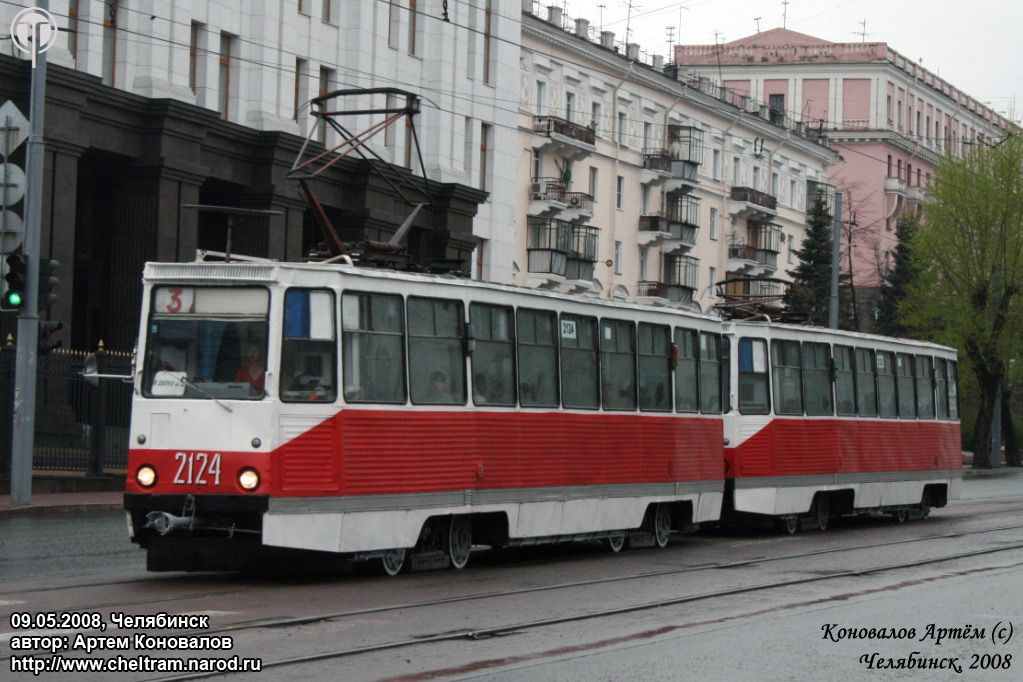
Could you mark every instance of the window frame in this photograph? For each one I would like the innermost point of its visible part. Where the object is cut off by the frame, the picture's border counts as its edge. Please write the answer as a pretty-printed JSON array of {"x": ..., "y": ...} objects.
[
  {"x": 408, "y": 349},
  {"x": 635, "y": 363},
  {"x": 668, "y": 371},
  {"x": 826, "y": 371},
  {"x": 403, "y": 345},
  {"x": 900, "y": 378},
  {"x": 577, "y": 317},
  {"x": 513, "y": 330},
  {"x": 556, "y": 328},
  {"x": 851, "y": 371},
  {"x": 766, "y": 373},
  {"x": 778, "y": 345},
  {"x": 677, "y": 336},
  {"x": 336, "y": 372},
  {"x": 890, "y": 356}
]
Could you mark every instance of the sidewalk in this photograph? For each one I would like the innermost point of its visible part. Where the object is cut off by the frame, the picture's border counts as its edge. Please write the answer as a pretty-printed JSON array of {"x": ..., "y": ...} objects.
[{"x": 58, "y": 503}]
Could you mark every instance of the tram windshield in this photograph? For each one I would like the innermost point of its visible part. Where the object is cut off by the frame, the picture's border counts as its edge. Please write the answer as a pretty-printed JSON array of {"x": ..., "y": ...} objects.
[{"x": 207, "y": 343}]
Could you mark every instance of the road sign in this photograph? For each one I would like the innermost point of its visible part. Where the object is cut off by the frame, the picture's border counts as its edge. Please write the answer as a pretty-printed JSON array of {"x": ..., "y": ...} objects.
[
  {"x": 14, "y": 128},
  {"x": 12, "y": 184},
  {"x": 12, "y": 231}
]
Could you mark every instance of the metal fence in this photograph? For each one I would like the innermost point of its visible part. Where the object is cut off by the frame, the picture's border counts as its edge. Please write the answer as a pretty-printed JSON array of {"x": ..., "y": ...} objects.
[{"x": 78, "y": 427}]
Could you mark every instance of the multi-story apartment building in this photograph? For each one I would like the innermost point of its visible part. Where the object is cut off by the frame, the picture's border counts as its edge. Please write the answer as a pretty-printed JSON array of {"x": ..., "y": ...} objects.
[
  {"x": 152, "y": 104},
  {"x": 890, "y": 119},
  {"x": 636, "y": 185}
]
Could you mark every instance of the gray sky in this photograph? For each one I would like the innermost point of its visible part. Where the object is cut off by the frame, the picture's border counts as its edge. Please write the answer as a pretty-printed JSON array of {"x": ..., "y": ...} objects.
[{"x": 974, "y": 44}]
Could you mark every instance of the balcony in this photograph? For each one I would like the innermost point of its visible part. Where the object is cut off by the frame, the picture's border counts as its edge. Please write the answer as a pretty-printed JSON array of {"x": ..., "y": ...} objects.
[
  {"x": 680, "y": 277},
  {"x": 656, "y": 167},
  {"x": 654, "y": 229},
  {"x": 546, "y": 197},
  {"x": 766, "y": 239},
  {"x": 560, "y": 253},
  {"x": 564, "y": 138},
  {"x": 742, "y": 258},
  {"x": 751, "y": 204},
  {"x": 686, "y": 152},
  {"x": 578, "y": 207},
  {"x": 684, "y": 218},
  {"x": 894, "y": 185}
]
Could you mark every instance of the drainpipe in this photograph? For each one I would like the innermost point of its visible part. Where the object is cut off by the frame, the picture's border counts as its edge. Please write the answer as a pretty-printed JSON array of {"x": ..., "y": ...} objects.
[{"x": 618, "y": 149}]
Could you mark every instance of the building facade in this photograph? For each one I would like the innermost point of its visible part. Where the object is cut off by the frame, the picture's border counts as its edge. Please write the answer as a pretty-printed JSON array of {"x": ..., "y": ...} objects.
[
  {"x": 636, "y": 185},
  {"x": 890, "y": 119},
  {"x": 154, "y": 104}
]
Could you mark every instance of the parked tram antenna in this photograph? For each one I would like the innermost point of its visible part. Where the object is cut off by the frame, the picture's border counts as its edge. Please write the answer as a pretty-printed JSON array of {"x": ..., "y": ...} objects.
[{"x": 233, "y": 214}]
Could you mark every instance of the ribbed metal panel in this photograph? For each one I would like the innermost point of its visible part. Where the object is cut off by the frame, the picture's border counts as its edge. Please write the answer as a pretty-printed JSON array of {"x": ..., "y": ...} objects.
[
  {"x": 252, "y": 272},
  {"x": 306, "y": 462}
]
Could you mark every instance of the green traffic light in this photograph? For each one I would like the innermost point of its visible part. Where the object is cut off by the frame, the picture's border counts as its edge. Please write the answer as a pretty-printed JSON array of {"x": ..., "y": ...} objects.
[{"x": 14, "y": 299}]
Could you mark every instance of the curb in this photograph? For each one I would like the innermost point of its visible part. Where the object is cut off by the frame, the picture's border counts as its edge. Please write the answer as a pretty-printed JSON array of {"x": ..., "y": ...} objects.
[{"x": 57, "y": 509}]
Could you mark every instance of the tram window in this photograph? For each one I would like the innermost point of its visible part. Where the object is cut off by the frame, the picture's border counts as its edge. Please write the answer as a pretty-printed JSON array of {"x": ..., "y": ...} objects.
[
  {"x": 953, "y": 391},
  {"x": 713, "y": 373},
  {"x": 687, "y": 395},
  {"x": 654, "y": 367},
  {"x": 924, "y": 387},
  {"x": 309, "y": 347},
  {"x": 753, "y": 382},
  {"x": 493, "y": 361},
  {"x": 887, "y": 405},
  {"x": 845, "y": 393},
  {"x": 538, "y": 358},
  {"x": 618, "y": 364},
  {"x": 941, "y": 390},
  {"x": 817, "y": 379},
  {"x": 904, "y": 376},
  {"x": 579, "y": 378},
  {"x": 788, "y": 397},
  {"x": 436, "y": 342},
  {"x": 372, "y": 333},
  {"x": 866, "y": 383}
]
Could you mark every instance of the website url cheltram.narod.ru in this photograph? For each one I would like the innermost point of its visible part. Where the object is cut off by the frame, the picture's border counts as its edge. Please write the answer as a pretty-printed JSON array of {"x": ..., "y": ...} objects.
[{"x": 133, "y": 664}]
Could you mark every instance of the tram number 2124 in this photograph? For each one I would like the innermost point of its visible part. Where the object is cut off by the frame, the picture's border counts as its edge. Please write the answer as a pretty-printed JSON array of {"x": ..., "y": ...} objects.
[{"x": 195, "y": 467}]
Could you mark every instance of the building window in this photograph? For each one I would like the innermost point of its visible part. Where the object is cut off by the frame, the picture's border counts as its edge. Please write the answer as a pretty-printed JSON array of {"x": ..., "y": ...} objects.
[
  {"x": 715, "y": 167},
  {"x": 736, "y": 168},
  {"x": 72, "y": 27},
  {"x": 621, "y": 127},
  {"x": 537, "y": 164},
  {"x": 618, "y": 258},
  {"x": 753, "y": 383},
  {"x": 645, "y": 198},
  {"x": 648, "y": 129},
  {"x": 713, "y": 223},
  {"x": 302, "y": 7},
  {"x": 393, "y": 23},
  {"x": 467, "y": 149},
  {"x": 389, "y": 131},
  {"x": 756, "y": 178},
  {"x": 642, "y": 265},
  {"x": 569, "y": 105},
  {"x": 488, "y": 38},
  {"x": 889, "y": 165},
  {"x": 791, "y": 252},
  {"x": 328, "y": 11},
  {"x": 889, "y": 109},
  {"x": 792, "y": 193},
  {"x": 595, "y": 116},
  {"x": 541, "y": 97},
  {"x": 300, "y": 78},
  {"x": 898, "y": 168},
  {"x": 226, "y": 46},
  {"x": 619, "y": 192},
  {"x": 413, "y": 27},
  {"x": 775, "y": 185},
  {"x": 712, "y": 277},
  {"x": 593, "y": 182},
  {"x": 193, "y": 54},
  {"x": 326, "y": 85},
  {"x": 486, "y": 145},
  {"x": 110, "y": 41}
]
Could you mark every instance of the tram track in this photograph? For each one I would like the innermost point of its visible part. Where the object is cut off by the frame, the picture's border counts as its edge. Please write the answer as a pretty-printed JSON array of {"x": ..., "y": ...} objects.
[
  {"x": 497, "y": 594},
  {"x": 523, "y": 626}
]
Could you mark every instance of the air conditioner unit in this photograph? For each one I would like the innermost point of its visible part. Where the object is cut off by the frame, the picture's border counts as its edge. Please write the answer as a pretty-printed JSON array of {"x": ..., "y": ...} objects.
[
  {"x": 536, "y": 191},
  {"x": 574, "y": 202}
]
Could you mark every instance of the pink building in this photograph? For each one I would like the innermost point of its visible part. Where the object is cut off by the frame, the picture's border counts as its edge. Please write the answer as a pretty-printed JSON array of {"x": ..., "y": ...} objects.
[{"x": 890, "y": 119}]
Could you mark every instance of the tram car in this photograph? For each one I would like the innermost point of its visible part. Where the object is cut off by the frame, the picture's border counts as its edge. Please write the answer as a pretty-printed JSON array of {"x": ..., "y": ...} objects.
[
  {"x": 829, "y": 422},
  {"x": 392, "y": 417}
]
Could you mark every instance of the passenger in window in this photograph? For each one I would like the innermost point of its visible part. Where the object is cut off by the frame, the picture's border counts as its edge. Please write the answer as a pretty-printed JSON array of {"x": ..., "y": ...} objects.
[
  {"x": 479, "y": 390},
  {"x": 253, "y": 368},
  {"x": 440, "y": 391}
]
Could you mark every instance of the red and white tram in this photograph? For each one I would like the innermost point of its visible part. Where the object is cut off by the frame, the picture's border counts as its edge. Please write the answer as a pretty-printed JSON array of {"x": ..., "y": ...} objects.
[
  {"x": 394, "y": 417},
  {"x": 396, "y": 412},
  {"x": 829, "y": 422}
]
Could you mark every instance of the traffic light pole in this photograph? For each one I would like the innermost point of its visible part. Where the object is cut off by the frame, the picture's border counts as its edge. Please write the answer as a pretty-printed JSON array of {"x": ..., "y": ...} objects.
[{"x": 23, "y": 429}]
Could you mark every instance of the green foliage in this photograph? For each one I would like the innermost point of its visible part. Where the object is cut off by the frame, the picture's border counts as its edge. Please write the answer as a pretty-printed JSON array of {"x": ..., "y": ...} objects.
[
  {"x": 810, "y": 292},
  {"x": 897, "y": 280}
]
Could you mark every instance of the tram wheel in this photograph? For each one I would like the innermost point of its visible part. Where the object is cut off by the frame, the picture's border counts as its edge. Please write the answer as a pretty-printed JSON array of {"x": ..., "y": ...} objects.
[
  {"x": 615, "y": 543},
  {"x": 662, "y": 525},
  {"x": 790, "y": 524},
  {"x": 459, "y": 541},
  {"x": 925, "y": 507},
  {"x": 900, "y": 516},
  {"x": 822, "y": 512},
  {"x": 392, "y": 562}
]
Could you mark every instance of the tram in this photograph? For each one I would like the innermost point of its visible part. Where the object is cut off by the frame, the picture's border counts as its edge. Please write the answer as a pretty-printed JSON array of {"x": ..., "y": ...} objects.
[{"x": 400, "y": 420}]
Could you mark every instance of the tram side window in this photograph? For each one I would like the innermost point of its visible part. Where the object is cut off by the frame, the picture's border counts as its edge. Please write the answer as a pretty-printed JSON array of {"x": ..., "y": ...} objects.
[
  {"x": 654, "y": 367},
  {"x": 817, "y": 379},
  {"x": 538, "y": 358},
  {"x": 941, "y": 390},
  {"x": 924, "y": 387},
  {"x": 713, "y": 374},
  {"x": 372, "y": 335},
  {"x": 753, "y": 395},
  {"x": 493, "y": 361},
  {"x": 436, "y": 340},
  {"x": 788, "y": 396},
  {"x": 845, "y": 393},
  {"x": 686, "y": 383},
  {"x": 866, "y": 383},
  {"x": 618, "y": 364},
  {"x": 904, "y": 376},
  {"x": 309, "y": 348},
  {"x": 953, "y": 391},
  {"x": 887, "y": 405},
  {"x": 579, "y": 378}
]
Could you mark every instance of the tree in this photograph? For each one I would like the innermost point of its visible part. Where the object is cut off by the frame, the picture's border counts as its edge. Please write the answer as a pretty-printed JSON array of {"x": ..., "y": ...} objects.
[
  {"x": 810, "y": 292},
  {"x": 970, "y": 258},
  {"x": 897, "y": 280}
]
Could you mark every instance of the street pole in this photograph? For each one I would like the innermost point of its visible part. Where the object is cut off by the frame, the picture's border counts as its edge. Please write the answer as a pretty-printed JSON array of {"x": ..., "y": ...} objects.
[
  {"x": 836, "y": 254},
  {"x": 23, "y": 437}
]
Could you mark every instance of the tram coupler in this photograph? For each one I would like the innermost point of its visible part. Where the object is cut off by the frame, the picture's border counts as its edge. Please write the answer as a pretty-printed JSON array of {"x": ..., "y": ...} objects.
[{"x": 165, "y": 522}]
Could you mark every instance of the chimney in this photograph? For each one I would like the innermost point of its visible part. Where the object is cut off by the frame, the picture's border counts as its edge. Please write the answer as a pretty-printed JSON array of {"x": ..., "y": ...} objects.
[
  {"x": 632, "y": 51},
  {"x": 554, "y": 15},
  {"x": 607, "y": 39},
  {"x": 582, "y": 28},
  {"x": 527, "y": 6},
  {"x": 659, "y": 62}
]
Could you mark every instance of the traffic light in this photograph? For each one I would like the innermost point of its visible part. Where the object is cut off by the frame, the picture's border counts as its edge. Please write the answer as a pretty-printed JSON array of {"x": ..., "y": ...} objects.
[
  {"x": 47, "y": 329},
  {"x": 47, "y": 282},
  {"x": 14, "y": 283}
]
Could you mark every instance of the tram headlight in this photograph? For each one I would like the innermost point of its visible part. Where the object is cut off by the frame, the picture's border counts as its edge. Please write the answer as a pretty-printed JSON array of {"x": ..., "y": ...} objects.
[
  {"x": 248, "y": 479},
  {"x": 146, "y": 476}
]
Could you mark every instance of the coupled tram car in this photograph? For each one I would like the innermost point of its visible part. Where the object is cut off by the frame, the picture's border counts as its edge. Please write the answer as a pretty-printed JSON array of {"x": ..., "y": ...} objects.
[{"x": 401, "y": 420}]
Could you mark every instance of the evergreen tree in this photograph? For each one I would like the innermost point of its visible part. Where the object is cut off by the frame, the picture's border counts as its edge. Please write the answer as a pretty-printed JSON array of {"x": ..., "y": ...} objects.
[
  {"x": 897, "y": 280},
  {"x": 809, "y": 294}
]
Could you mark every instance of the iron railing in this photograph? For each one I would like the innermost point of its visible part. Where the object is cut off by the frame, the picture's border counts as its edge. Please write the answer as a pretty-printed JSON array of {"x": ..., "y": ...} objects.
[
  {"x": 754, "y": 196},
  {"x": 546, "y": 125}
]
